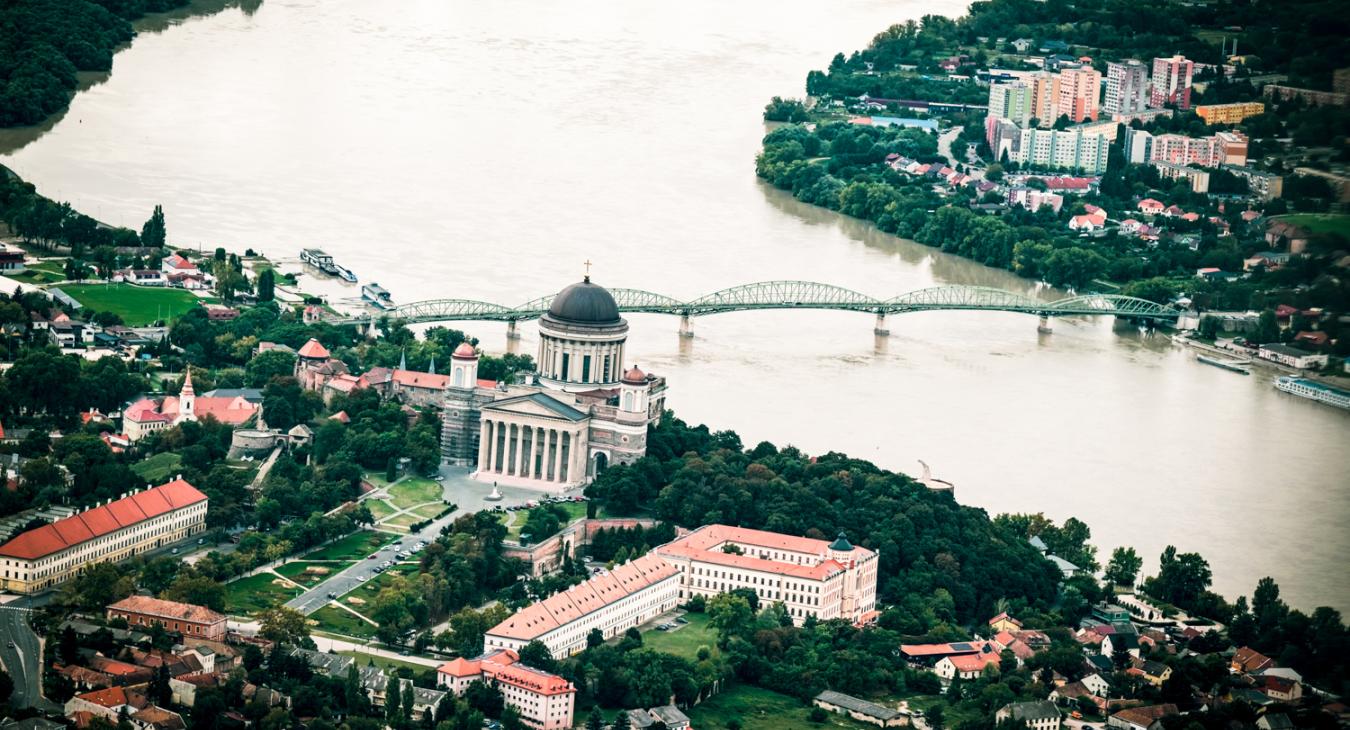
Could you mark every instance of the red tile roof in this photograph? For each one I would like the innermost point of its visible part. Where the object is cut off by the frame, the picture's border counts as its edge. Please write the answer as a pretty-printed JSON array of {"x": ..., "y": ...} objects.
[
  {"x": 704, "y": 544},
  {"x": 160, "y": 608},
  {"x": 313, "y": 349},
  {"x": 414, "y": 379},
  {"x": 99, "y": 521},
  {"x": 110, "y": 697},
  {"x": 560, "y": 608},
  {"x": 972, "y": 662}
]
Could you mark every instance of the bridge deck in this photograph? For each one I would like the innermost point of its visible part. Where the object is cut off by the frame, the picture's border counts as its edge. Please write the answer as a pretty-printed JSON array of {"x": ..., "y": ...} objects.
[{"x": 796, "y": 295}]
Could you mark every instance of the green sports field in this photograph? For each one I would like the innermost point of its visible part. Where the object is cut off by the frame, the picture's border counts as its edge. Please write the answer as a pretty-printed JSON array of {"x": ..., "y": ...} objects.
[{"x": 136, "y": 305}]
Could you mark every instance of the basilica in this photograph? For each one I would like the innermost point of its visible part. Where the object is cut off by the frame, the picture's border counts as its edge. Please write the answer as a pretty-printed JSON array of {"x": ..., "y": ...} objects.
[{"x": 581, "y": 411}]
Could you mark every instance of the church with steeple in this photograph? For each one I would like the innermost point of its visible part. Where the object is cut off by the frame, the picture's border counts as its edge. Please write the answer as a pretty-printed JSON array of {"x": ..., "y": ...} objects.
[
  {"x": 584, "y": 409},
  {"x": 148, "y": 415}
]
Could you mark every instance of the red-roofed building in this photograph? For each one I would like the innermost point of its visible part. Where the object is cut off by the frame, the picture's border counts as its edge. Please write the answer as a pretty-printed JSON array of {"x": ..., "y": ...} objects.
[
  {"x": 177, "y": 263},
  {"x": 809, "y": 577},
  {"x": 45, "y": 556},
  {"x": 966, "y": 666},
  {"x": 1149, "y": 206},
  {"x": 1248, "y": 660},
  {"x": 148, "y": 415},
  {"x": 627, "y": 596},
  {"x": 197, "y": 622},
  {"x": 108, "y": 703},
  {"x": 545, "y": 701}
]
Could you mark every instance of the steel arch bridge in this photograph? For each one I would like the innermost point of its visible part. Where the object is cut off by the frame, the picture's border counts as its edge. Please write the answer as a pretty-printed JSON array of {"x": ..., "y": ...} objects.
[{"x": 795, "y": 295}]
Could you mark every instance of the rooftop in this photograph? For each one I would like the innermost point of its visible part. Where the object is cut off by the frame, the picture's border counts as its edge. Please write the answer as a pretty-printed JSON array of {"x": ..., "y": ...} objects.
[
  {"x": 563, "y": 607},
  {"x": 84, "y": 526},
  {"x": 849, "y": 702},
  {"x": 705, "y": 545},
  {"x": 167, "y": 609}
]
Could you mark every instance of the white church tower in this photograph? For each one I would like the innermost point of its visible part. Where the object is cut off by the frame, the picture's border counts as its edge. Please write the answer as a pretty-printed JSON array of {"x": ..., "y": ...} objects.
[
  {"x": 464, "y": 367},
  {"x": 633, "y": 390},
  {"x": 187, "y": 400}
]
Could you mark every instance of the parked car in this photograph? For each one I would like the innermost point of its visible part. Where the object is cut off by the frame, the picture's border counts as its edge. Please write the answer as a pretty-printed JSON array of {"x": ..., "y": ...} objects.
[{"x": 372, "y": 556}]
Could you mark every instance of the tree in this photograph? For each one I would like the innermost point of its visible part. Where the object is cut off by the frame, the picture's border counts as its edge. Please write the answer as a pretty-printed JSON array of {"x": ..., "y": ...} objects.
[
  {"x": 160, "y": 691},
  {"x": 1267, "y": 327},
  {"x": 536, "y": 654},
  {"x": 994, "y": 172},
  {"x": 1124, "y": 566},
  {"x": 268, "y": 365},
  {"x": 818, "y": 715},
  {"x": 197, "y": 589},
  {"x": 154, "y": 233},
  {"x": 392, "y": 701},
  {"x": 622, "y": 721},
  {"x": 286, "y": 625},
  {"x": 595, "y": 638},
  {"x": 596, "y": 720},
  {"x": 6, "y": 686},
  {"x": 267, "y": 282},
  {"x": 784, "y": 110}
]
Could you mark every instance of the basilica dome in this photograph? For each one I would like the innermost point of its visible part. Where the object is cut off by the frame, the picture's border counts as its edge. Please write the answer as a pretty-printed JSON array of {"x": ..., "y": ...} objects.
[{"x": 585, "y": 303}]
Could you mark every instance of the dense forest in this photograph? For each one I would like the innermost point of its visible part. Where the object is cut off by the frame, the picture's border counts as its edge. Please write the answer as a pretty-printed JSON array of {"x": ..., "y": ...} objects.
[{"x": 43, "y": 43}]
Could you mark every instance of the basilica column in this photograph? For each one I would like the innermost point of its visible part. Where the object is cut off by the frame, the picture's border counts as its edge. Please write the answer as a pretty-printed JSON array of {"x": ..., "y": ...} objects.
[
  {"x": 558, "y": 458},
  {"x": 579, "y": 456},
  {"x": 484, "y": 429},
  {"x": 534, "y": 448},
  {"x": 520, "y": 448},
  {"x": 491, "y": 426}
]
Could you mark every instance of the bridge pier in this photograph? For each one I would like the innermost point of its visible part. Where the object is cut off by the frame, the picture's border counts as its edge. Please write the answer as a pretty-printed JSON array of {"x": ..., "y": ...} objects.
[
  {"x": 1044, "y": 326},
  {"x": 880, "y": 329},
  {"x": 511, "y": 333},
  {"x": 686, "y": 329}
]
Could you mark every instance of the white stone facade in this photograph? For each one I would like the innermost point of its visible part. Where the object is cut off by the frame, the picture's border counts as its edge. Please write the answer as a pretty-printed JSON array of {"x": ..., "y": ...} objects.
[{"x": 809, "y": 577}]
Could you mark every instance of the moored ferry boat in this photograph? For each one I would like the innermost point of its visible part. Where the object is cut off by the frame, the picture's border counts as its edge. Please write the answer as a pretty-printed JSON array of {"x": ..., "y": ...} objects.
[
  {"x": 319, "y": 260},
  {"x": 1313, "y": 390},
  {"x": 345, "y": 273},
  {"x": 377, "y": 296},
  {"x": 1237, "y": 366}
]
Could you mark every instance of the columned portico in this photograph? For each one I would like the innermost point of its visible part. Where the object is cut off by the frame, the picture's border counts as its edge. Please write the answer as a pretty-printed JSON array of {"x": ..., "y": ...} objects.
[{"x": 533, "y": 441}]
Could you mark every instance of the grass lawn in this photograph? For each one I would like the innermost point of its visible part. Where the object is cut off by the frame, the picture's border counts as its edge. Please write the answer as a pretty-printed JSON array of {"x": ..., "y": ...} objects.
[
  {"x": 42, "y": 272},
  {"x": 684, "y": 641},
  {"x": 384, "y": 663},
  {"x": 136, "y": 305},
  {"x": 379, "y": 509},
  {"x": 376, "y": 478},
  {"x": 430, "y": 511},
  {"x": 758, "y": 709},
  {"x": 514, "y": 521},
  {"x": 353, "y": 547},
  {"x": 296, "y": 571},
  {"x": 256, "y": 593},
  {"x": 1320, "y": 222},
  {"x": 403, "y": 520},
  {"x": 414, "y": 491},
  {"x": 340, "y": 621},
  {"x": 158, "y": 468}
]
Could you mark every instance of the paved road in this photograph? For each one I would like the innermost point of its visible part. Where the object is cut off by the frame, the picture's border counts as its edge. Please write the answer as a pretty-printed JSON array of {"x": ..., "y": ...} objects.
[
  {"x": 23, "y": 661},
  {"x": 945, "y": 144},
  {"x": 468, "y": 496}
]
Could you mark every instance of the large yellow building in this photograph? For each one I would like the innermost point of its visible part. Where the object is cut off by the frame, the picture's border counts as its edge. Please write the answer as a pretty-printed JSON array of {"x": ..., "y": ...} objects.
[
  {"x": 45, "y": 556},
  {"x": 1229, "y": 113}
]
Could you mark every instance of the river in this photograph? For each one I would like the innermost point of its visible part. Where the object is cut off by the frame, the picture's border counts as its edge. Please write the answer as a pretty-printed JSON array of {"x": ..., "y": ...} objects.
[{"x": 486, "y": 150}]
